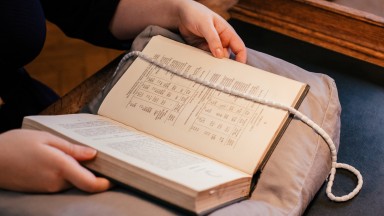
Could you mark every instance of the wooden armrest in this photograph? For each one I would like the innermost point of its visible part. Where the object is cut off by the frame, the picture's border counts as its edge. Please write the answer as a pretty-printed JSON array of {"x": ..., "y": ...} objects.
[{"x": 342, "y": 29}]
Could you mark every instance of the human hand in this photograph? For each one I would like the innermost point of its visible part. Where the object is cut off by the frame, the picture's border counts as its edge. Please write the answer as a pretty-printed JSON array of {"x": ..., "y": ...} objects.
[
  {"x": 206, "y": 30},
  {"x": 35, "y": 161},
  {"x": 199, "y": 26}
]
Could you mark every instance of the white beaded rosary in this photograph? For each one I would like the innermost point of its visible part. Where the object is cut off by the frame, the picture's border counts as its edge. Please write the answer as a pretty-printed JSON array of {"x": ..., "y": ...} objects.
[{"x": 275, "y": 104}]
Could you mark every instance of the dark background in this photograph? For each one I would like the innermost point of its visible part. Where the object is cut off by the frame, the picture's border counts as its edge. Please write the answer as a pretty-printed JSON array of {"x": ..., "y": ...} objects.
[{"x": 361, "y": 93}]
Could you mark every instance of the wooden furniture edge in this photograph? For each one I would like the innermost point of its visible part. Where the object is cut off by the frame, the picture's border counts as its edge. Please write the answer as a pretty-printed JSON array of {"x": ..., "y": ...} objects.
[
  {"x": 77, "y": 98},
  {"x": 74, "y": 100},
  {"x": 296, "y": 18},
  {"x": 325, "y": 24}
]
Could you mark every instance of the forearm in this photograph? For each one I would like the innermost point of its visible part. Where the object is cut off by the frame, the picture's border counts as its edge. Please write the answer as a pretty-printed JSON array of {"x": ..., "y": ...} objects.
[
  {"x": 133, "y": 16},
  {"x": 88, "y": 20}
]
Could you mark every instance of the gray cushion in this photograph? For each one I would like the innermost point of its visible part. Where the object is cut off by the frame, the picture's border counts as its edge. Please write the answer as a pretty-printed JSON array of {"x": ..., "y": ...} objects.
[{"x": 294, "y": 173}]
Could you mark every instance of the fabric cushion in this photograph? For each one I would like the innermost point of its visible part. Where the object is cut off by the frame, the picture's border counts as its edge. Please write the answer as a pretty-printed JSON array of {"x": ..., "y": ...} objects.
[{"x": 292, "y": 176}]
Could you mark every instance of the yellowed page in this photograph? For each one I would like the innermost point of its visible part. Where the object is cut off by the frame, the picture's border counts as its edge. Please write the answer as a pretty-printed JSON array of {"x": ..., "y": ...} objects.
[
  {"x": 145, "y": 152},
  {"x": 228, "y": 129}
]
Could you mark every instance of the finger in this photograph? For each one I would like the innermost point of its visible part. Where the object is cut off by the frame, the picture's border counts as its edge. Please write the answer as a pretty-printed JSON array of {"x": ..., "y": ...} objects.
[
  {"x": 239, "y": 51},
  {"x": 82, "y": 153},
  {"x": 229, "y": 39},
  {"x": 82, "y": 178},
  {"x": 227, "y": 52},
  {"x": 78, "y": 152},
  {"x": 213, "y": 40},
  {"x": 232, "y": 41},
  {"x": 72, "y": 171}
]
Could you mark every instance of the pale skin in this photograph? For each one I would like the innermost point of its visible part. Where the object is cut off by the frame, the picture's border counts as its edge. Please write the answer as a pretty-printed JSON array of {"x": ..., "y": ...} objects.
[
  {"x": 198, "y": 25},
  {"x": 33, "y": 161}
]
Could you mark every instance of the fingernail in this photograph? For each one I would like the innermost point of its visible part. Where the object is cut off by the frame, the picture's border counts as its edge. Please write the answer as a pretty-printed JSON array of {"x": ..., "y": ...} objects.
[
  {"x": 219, "y": 53},
  {"x": 89, "y": 151}
]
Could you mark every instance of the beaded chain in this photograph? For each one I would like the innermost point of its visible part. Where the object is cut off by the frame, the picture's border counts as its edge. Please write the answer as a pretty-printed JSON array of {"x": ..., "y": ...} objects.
[{"x": 275, "y": 104}]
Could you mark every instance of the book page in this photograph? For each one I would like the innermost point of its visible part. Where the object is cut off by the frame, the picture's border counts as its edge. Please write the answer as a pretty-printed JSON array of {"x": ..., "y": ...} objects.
[
  {"x": 142, "y": 151},
  {"x": 229, "y": 129}
]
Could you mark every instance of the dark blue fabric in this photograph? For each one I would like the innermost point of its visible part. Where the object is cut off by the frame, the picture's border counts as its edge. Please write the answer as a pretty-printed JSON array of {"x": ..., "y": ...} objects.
[
  {"x": 24, "y": 96},
  {"x": 22, "y": 33},
  {"x": 361, "y": 92},
  {"x": 88, "y": 20},
  {"x": 22, "y": 38}
]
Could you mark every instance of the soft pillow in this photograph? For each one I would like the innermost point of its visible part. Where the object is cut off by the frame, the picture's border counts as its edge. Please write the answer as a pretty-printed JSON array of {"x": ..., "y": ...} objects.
[
  {"x": 301, "y": 161},
  {"x": 292, "y": 176}
]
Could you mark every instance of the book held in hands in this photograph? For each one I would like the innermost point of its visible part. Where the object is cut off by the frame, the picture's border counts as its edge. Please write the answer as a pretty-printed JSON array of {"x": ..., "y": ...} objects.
[{"x": 175, "y": 139}]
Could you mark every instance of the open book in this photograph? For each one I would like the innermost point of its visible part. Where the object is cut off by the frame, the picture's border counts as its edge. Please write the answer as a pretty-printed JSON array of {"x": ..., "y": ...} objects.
[{"x": 180, "y": 141}]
